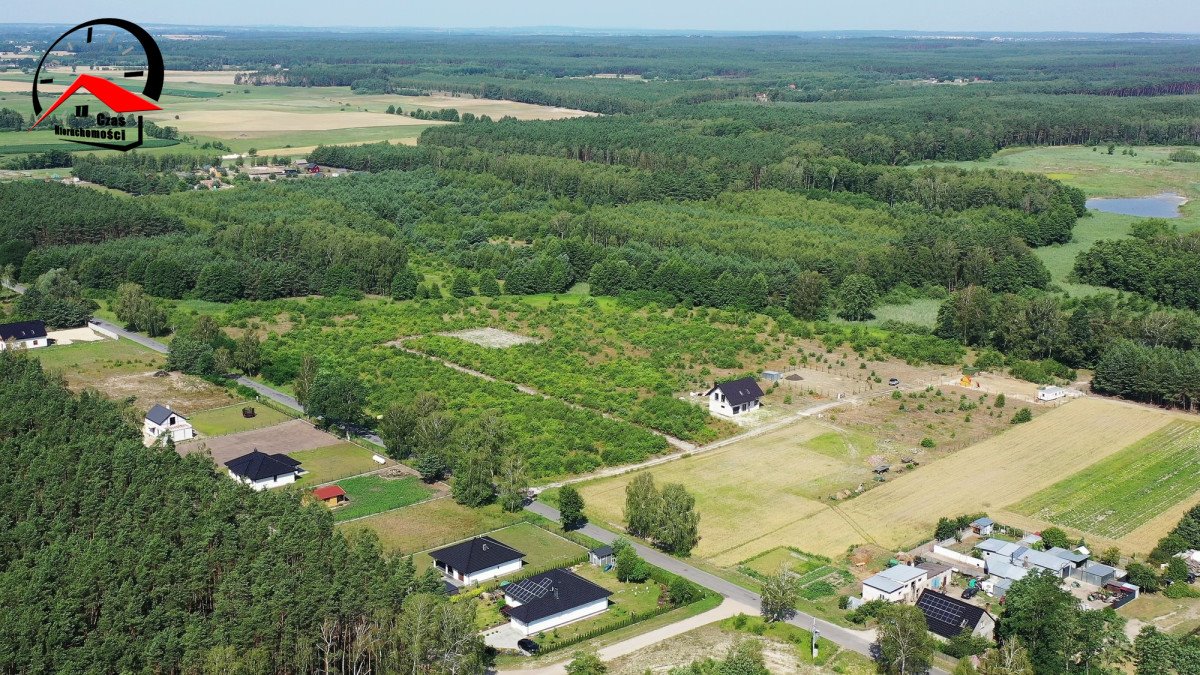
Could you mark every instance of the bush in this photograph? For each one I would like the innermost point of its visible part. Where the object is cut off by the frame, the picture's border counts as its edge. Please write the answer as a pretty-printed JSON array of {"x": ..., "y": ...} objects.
[
  {"x": 867, "y": 611},
  {"x": 1022, "y": 416},
  {"x": 1184, "y": 155},
  {"x": 965, "y": 644}
]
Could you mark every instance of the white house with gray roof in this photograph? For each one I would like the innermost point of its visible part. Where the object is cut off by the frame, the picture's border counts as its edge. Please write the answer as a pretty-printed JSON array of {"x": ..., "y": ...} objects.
[
  {"x": 162, "y": 422},
  {"x": 899, "y": 583}
]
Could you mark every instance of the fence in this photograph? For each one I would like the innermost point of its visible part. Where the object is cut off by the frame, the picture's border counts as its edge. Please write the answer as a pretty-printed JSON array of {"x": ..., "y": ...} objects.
[{"x": 958, "y": 557}]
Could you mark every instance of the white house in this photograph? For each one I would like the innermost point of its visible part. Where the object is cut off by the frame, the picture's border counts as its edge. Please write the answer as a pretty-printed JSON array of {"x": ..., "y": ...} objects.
[
  {"x": 983, "y": 526},
  {"x": 262, "y": 471},
  {"x": 947, "y": 617},
  {"x": 162, "y": 421},
  {"x": 734, "y": 397},
  {"x": 900, "y": 583},
  {"x": 27, "y": 334},
  {"x": 1051, "y": 393},
  {"x": 551, "y": 599},
  {"x": 476, "y": 560}
]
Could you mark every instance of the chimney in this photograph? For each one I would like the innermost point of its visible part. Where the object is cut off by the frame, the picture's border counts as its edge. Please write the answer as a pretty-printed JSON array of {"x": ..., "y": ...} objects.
[
  {"x": 555, "y": 593},
  {"x": 485, "y": 547}
]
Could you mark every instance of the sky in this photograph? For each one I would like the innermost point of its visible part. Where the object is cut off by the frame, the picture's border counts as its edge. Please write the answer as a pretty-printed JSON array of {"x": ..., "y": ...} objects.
[{"x": 1176, "y": 16}]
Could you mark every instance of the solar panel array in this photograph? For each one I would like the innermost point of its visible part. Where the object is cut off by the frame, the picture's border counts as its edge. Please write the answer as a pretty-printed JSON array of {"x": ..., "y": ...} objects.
[
  {"x": 529, "y": 589},
  {"x": 937, "y": 610}
]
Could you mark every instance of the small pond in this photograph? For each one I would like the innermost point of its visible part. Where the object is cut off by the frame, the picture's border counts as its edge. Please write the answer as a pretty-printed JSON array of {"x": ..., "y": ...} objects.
[{"x": 1165, "y": 205}]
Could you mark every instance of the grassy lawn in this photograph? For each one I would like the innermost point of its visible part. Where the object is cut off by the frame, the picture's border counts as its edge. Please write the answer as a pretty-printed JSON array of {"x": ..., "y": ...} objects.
[
  {"x": 1117, "y": 495},
  {"x": 799, "y": 563},
  {"x": 431, "y": 524},
  {"x": 333, "y": 462},
  {"x": 229, "y": 420},
  {"x": 372, "y": 494},
  {"x": 922, "y": 312},
  {"x": 542, "y": 549},
  {"x": 1177, "y": 617},
  {"x": 91, "y": 361}
]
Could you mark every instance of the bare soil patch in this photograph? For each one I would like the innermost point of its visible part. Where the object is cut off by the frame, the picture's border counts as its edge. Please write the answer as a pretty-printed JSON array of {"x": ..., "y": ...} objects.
[
  {"x": 491, "y": 337},
  {"x": 287, "y": 437}
]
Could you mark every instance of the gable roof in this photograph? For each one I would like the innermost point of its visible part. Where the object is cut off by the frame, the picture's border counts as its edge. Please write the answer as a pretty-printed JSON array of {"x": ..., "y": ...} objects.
[
  {"x": 1042, "y": 559},
  {"x": 551, "y": 593},
  {"x": 1000, "y": 546},
  {"x": 894, "y": 578},
  {"x": 159, "y": 414},
  {"x": 329, "y": 491},
  {"x": 23, "y": 330},
  {"x": 602, "y": 551},
  {"x": 983, "y": 522},
  {"x": 1071, "y": 556},
  {"x": 738, "y": 392},
  {"x": 947, "y": 616},
  {"x": 474, "y": 555},
  {"x": 257, "y": 465}
]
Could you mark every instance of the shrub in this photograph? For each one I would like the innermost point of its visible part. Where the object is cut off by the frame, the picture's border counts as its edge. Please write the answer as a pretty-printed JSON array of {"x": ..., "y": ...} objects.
[{"x": 1022, "y": 416}]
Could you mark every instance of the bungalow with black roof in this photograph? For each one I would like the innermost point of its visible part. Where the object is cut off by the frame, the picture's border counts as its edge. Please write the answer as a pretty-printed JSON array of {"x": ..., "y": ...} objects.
[
  {"x": 27, "y": 334},
  {"x": 161, "y": 422},
  {"x": 476, "y": 560},
  {"x": 262, "y": 471},
  {"x": 551, "y": 599},
  {"x": 734, "y": 397},
  {"x": 947, "y": 616}
]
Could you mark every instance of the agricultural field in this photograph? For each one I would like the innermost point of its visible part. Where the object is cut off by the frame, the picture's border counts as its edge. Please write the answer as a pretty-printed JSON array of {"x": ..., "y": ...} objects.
[
  {"x": 230, "y": 420},
  {"x": 771, "y": 490},
  {"x": 1113, "y": 497},
  {"x": 375, "y": 493},
  {"x": 122, "y": 368}
]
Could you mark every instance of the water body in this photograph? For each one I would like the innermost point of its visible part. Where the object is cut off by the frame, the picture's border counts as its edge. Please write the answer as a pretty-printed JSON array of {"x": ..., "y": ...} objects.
[{"x": 1165, "y": 205}]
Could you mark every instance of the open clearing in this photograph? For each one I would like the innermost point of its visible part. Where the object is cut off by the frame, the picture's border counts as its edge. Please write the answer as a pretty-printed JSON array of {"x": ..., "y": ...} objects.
[
  {"x": 333, "y": 462},
  {"x": 768, "y": 491},
  {"x": 288, "y": 437},
  {"x": 1113, "y": 497},
  {"x": 491, "y": 337},
  {"x": 229, "y": 419},
  {"x": 122, "y": 368},
  {"x": 249, "y": 122},
  {"x": 376, "y": 493}
]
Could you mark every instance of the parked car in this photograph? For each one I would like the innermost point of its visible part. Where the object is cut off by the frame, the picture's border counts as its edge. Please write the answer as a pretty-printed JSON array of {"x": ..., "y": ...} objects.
[
  {"x": 894, "y": 381},
  {"x": 970, "y": 592},
  {"x": 528, "y": 646}
]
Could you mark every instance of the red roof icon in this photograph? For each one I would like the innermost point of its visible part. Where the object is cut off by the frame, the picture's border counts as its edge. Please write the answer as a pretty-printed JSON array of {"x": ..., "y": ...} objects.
[{"x": 113, "y": 95}]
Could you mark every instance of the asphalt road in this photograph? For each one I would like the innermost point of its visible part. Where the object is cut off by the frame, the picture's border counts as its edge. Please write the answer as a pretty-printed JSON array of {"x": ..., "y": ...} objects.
[{"x": 859, "y": 641}]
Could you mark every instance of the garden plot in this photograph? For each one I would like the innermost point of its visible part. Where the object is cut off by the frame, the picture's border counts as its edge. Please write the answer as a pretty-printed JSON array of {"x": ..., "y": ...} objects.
[
  {"x": 491, "y": 337},
  {"x": 1115, "y": 496}
]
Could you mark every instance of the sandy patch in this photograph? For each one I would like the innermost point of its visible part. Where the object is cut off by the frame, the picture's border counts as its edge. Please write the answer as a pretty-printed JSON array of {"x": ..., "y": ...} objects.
[
  {"x": 287, "y": 437},
  {"x": 491, "y": 337},
  {"x": 73, "y": 335}
]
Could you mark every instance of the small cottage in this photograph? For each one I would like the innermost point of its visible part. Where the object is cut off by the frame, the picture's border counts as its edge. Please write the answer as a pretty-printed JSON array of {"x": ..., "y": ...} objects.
[
  {"x": 602, "y": 556},
  {"x": 983, "y": 526},
  {"x": 1051, "y": 393},
  {"x": 476, "y": 560},
  {"x": 262, "y": 471},
  {"x": 26, "y": 334},
  {"x": 331, "y": 495}
]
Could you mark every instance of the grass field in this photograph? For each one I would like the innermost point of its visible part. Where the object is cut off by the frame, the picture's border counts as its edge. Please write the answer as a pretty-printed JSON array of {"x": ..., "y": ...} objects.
[
  {"x": 122, "y": 368},
  {"x": 1113, "y": 497},
  {"x": 229, "y": 419},
  {"x": 372, "y": 494},
  {"x": 542, "y": 549},
  {"x": 333, "y": 462},
  {"x": 431, "y": 524}
]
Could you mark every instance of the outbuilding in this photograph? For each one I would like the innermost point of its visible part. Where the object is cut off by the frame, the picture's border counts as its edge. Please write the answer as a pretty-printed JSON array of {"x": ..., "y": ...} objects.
[
  {"x": 1051, "y": 393},
  {"x": 983, "y": 526},
  {"x": 331, "y": 495},
  {"x": 602, "y": 556},
  {"x": 477, "y": 559}
]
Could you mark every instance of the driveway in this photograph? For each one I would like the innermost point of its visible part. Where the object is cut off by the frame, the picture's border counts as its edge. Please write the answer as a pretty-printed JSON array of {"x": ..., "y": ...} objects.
[{"x": 503, "y": 637}]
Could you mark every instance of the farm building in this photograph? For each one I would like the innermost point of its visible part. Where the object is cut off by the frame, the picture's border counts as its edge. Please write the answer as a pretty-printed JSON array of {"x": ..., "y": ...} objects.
[
  {"x": 947, "y": 616},
  {"x": 331, "y": 495},
  {"x": 1097, "y": 574},
  {"x": 551, "y": 599},
  {"x": 937, "y": 575},
  {"x": 602, "y": 556},
  {"x": 1023, "y": 556},
  {"x": 899, "y": 583},
  {"x": 27, "y": 334},
  {"x": 983, "y": 526},
  {"x": 1051, "y": 393},
  {"x": 476, "y": 560},
  {"x": 734, "y": 397},
  {"x": 262, "y": 471},
  {"x": 1076, "y": 558},
  {"x": 161, "y": 422}
]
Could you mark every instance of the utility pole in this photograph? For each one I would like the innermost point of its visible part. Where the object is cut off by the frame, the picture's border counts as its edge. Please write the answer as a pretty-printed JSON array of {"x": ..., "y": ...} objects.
[{"x": 816, "y": 637}]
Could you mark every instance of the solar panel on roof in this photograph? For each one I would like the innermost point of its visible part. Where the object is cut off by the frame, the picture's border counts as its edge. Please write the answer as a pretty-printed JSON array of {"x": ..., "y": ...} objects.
[{"x": 529, "y": 589}]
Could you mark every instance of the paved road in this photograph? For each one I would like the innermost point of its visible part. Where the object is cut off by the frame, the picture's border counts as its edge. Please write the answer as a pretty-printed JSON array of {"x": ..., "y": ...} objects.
[{"x": 859, "y": 641}]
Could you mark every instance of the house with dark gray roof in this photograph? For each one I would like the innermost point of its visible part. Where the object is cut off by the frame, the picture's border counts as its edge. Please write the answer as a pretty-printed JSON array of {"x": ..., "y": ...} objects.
[
  {"x": 26, "y": 334},
  {"x": 476, "y": 560},
  {"x": 262, "y": 471},
  {"x": 161, "y": 422},
  {"x": 947, "y": 616},
  {"x": 734, "y": 397},
  {"x": 551, "y": 599}
]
